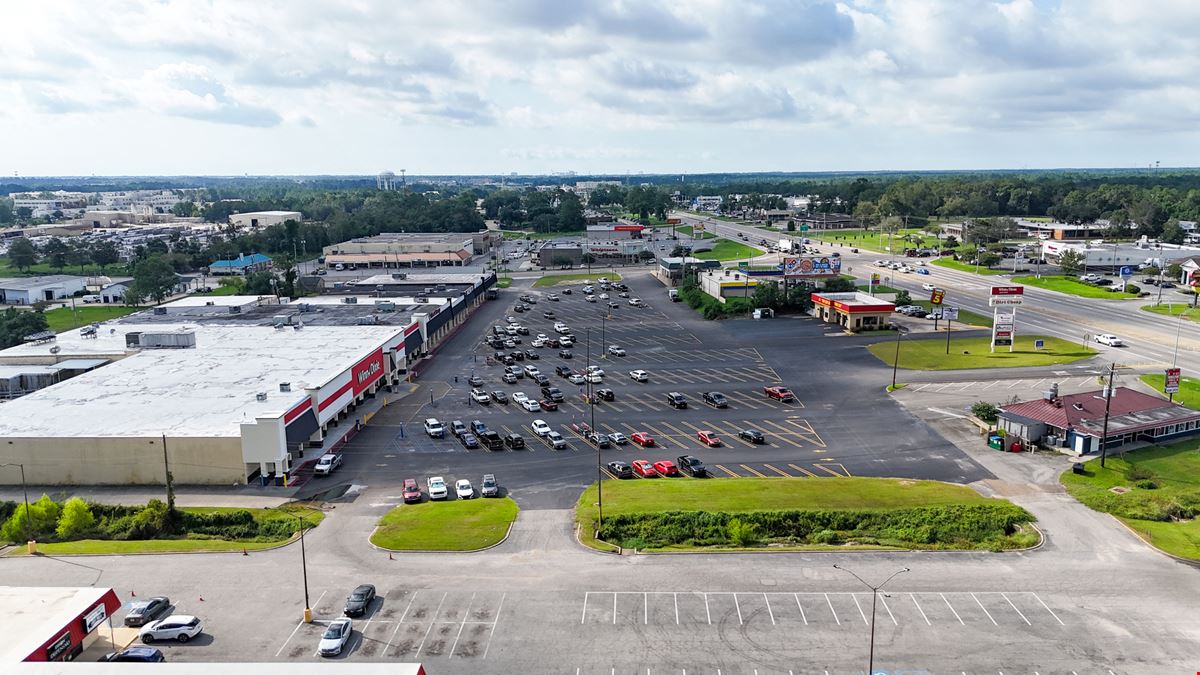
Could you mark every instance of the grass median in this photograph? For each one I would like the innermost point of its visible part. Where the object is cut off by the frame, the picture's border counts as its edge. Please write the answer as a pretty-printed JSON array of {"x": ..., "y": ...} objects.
[
  {"x": 952, "y": 264},
  {"x": 459, "y": 525},
  {"x": 1189, "y": 389},
  {"x": 974, "y": 352},
  {"x": 683, "y": 514},
  {"x": 1072, "y": 286},
  {"x": 1176, "y": 308},
  {"x": 1153, "y": 491},
  {"x": 724, "y": 249},
  {"x": 556, "y": 279},
  {"x": 965, "y": 316},
  {"x": 689, "y": 231}
]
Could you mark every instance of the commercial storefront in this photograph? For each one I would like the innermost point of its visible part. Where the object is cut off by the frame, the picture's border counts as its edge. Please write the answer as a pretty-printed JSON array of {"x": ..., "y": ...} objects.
[
  {"x": 52, "y": 624},
  {"x": 852, "y": 311}
]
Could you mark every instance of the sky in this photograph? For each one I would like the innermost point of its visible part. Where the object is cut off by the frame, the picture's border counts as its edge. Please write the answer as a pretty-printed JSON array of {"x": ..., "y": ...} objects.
[{"x": 217, "y": 87}]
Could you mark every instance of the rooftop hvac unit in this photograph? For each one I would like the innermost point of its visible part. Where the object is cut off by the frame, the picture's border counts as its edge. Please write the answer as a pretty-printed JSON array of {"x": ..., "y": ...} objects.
[
  {"x": 350, "y": 301},
  {"x": 281, "y": 319},
  {"x": 235, "y": 309},
  {"x": 368, "y": 320},
  {"x": 261, "y": 396},
  {"x": 160, "y": 310},
  {"x": 385, "y": 306},
  {"x": 209, "y": 303},
  {"x": 304, "y": 308},
  {"x": 285, "y": 386},
  {"x": 173, "y": 340}
]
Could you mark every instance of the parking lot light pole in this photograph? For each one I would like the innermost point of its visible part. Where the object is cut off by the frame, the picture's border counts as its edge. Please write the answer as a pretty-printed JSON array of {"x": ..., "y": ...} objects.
[
  {"x": 308, "y": 613},
  {"x": 25, "y": 492},
  {"x": 874, "y": 597},
  {"x": 896, "y": 361},
  {"x": 592, "y": 407}
]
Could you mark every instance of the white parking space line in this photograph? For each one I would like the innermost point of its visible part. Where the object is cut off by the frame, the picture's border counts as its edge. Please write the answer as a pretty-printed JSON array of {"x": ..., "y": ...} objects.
[
  {"x": 495, "y": 620},
  {"x": 952, "y": 609},
  {"x": 883, "y": 599},
  {"x": 676, "y": 596},
  {"x": 1039, "y": 599},
  {"x": 801, "y": 608},
  {"x": 586, "y": 595},
  {"x": 914, "y": 599},
  {"x": 462, "y": 625},
  {"x": 739, "y": 608},
  {"x": 830, "y": 603},
  {"x": 1010, "y": 604},
  {"x": 706, "y": 612},
  {"x": 989, "y": 614},
  {"x": 614, "y": 609},
  {"x": 769, "y": 611},
  {"x": 645, "y": 609},
  {"x": 860, "y": 609},
  {"x": 301, "y": 623},
  {"x": 431, "y": 624}
]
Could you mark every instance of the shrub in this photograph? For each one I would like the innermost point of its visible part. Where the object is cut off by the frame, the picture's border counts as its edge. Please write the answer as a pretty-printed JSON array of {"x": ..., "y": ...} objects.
[
  {"x": 1146, "y": 484},
  {"x": 903, "y": 298},
  {"x": 1136, "y": 473},
  {"x": 985, "y": 411},
  {"x": 825, "y": 537},
  {"x": 76, "y": 520},
  {"x": 741, "y": 534}
]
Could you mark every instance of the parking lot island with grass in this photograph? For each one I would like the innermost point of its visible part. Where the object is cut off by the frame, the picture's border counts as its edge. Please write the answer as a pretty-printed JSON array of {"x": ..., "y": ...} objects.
[
  {"x": 975, "y": 352},
  {"x": 457, "y": 525},
  {"x": 1073, "y": 286},
  {"x": 801, "y": 514}
]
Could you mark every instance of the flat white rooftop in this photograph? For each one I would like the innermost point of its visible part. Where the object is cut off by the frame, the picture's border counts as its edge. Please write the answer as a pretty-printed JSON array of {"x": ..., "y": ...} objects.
[
  {"x": 365, "y": 301},
  {"x": 221, "y": 301},
  {"x": 207, "y": 391},
  {"x": 30, "y": 616}
]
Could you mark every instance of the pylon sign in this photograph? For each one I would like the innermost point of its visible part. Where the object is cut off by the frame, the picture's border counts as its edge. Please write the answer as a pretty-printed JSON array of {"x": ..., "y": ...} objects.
[{"x": 935, "y": 297}]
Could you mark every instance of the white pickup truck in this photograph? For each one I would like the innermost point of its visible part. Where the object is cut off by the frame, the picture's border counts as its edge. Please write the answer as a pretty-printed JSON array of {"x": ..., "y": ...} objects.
[{"x": 326, "y": 464}]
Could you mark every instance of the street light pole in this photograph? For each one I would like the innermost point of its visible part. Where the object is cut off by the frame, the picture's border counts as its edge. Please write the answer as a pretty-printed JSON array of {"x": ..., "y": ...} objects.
[
  {"x": 874, "y": 596},
  {"x": 896, "y": 361},
  {"x": 25, "y": 493},
  {"x": 592, "y": 426},
  {"x": 304, "y": 567}
]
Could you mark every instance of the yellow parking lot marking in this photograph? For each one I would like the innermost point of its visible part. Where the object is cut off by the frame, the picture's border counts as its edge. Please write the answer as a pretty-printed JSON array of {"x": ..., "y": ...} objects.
[
  {"x": 756, "y": 472},
  {"x": 742, "y": 399},
  {"x": 722, "y": 468},
  {"x": 803, "y": 471},
  {"x": 779, "y": 471},
  {"x": 831, "y": 471},
  {"x": 681, "y": 433},
  {"x": 732, "y": 432},
  {"x": 666, "y": 440},
  {"x": 808, "y": 432},
  {"x": 782, "y": 435}
]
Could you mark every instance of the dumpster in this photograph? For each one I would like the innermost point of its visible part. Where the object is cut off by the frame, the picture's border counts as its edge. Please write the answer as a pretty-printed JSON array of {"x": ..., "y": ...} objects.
[{"x": 995, "y": 441}]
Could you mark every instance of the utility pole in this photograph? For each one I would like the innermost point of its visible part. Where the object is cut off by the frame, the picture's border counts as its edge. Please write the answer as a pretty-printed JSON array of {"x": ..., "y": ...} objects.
[
  {"x": 874, "y": 598},
  {"x": 167, "y": 473},
  {"x": 1108, "y": 392}
]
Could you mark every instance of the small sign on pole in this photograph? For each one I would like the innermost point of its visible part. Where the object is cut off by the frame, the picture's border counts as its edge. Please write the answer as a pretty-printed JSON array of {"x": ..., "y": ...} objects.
[
  {"x": 1039, "y": 344},
  {"x": 950, "y": 313},
  {"x": 936, "y": 296}
]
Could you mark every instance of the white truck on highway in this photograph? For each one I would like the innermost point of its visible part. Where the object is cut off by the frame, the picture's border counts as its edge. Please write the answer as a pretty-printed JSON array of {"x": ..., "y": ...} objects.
[{"x": 787, "y": 246}]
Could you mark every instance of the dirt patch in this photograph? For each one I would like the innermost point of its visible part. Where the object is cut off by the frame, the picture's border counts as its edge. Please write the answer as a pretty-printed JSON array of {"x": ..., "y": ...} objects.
[{"x": 1118, "y": 490}]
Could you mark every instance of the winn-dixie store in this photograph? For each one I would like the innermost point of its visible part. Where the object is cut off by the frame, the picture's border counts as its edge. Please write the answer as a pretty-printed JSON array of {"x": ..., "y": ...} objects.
[
  {"x": 52, "y": 624},
  {"x": 852, "y": 311}
]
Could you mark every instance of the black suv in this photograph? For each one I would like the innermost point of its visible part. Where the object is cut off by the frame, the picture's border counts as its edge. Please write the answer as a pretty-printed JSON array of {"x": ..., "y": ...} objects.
[
  {"x": 605, "y": 394},
  {"x": 752, "y": 435},
  {"x": 491, "y": 440},
  {"x": 676, "y": 400},
  {"x": 691, "y": 466},
  {"x": 565, "y": 354},
  {"x": 514, "y": 441},
  {"x": 598, "y": 439},
  {"x": 553, "y": 393},
  {"x": 563, "y": 371},
  {"x": 620, "y": 470},
  {"x": 716, "y": 399}
]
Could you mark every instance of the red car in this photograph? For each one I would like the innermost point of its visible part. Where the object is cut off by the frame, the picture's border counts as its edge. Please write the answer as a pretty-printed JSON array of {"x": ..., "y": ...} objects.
[
  {"x": 780, "y": 394},
  {"x": 708, "y": 438},
  {"x": 412, "y": 493},
  {"x": 642, "y": 438},
  {"x": 666, "y": 467},
  {"x": 548, "y": 405},
  {"x": 643, "y": 468}
]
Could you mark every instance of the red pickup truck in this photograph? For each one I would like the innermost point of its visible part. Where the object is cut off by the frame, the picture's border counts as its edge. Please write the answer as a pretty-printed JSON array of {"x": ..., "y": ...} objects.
[{"x": 780, "y": 394}]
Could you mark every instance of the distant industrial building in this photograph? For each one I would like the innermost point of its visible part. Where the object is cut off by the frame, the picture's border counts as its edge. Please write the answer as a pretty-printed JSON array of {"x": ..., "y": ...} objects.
[
  {"x": 28, "y": 290},
  {"x": 398, "y": 250},
  {"x": 1116, "y": 255},
  {"x": 256, "y": 219}
]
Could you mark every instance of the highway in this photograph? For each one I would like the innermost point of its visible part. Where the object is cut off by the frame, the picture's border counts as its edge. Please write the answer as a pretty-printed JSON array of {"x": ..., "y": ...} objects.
[{"x": 1153, "y": 341}]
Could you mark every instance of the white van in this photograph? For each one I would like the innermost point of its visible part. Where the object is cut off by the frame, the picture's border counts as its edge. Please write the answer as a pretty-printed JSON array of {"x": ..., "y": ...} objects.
[{"x": 91, "y": 299}]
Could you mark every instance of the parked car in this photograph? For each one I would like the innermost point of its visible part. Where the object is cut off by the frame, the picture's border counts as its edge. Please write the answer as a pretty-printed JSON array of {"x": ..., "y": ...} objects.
[
  {"x": 475, "y": 381},
  {"x": 532, "y": 355},
  {"x": 639, "y": 376},
  {"x": 359, "y": 600},
  {"x": 665, "y": 467},
  {"x": 410, "y": 492},
  {"x": 547, "y": 405},
  {"x": 576, "y": 378},
  {"x": 565, "y": 354},
  {"x": 143, "y": 612},
  {"x": 563, "y": 371},
  {"x": 643, "y": 468},
  {"x": 136, "y": 655},
  {"x": 553, "y": 393},
  {"x": 642, "y": 438},
  {"x": 458, "y": 428},
  {"x": 181, "y": 627},
  {"x": 491, "y": 440},
  {"x": 327, "y": 464},
  {"x": 434, "y": 428},
  {"x": 488, "y": 487},
  {"x": 437, "y": 488},
  {"x": 779, "y": 394},
  {"x": 753, "y": 435},
  {"x": 479, "y": 396},
  {"x": 605, "y": 394},
  {"x": 676, "y": 400},
  {"x": 478, "y": 427},
  {"x": 540, "y": 427},
  {"x": 514, "y": 442},
  {"x": 708, "y": 438},
  {"x": 691, "y": 466},
  {"x": 463, "y": 489},
  {"x": 530, "y": 405},
  {"x": 469, "y": 441},
  {"x": 618, "y": 438},
  {"x": 620, "y": 470},
  {"x": 556, "y": 440},
  {"x": 1109, "y": 339},
  {"x": 335, "y": 637},
  {"x": 499, "y": 397},
  {"x": 598, "y": 439},
  {"x": 716, "y": 399}
]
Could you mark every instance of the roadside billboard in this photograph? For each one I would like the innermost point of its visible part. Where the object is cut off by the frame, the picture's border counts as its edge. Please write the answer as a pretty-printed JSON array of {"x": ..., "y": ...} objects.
[{"x": 816, "y": 266}]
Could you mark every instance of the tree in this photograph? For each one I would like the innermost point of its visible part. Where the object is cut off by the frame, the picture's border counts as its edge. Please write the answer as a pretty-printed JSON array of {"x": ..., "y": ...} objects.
[
  {"x": 154, "y": 278},
  {"x": 767, "y": 294},
  {"x": 1172, "y": 233},
  {"x": 55, "y": 253},
  {"x": 1071, "y": 261},
  {"x": 24, "y": 212},
  {"x": 22, "y": 254},
  {"x": 1175, "y": 271},
  {"x": 104, "y": 254},
  {"x": 950, "y": 242},
  {"x": 903, "y": 298},
  {"x": 76, "y": 520},
  {"x": 40, "y": 519},
  {"x": 560, "y": 261},
  {"x": 185, "y": 209},
  {"x": 570, "y": 213},
  {"x": 985, "y": 411},
  {"x": 260, "y": 283},
  {"x": 839, "y": 285},
  {"x": 15, "y": 324},
  {"x": 79, "y": 253}
]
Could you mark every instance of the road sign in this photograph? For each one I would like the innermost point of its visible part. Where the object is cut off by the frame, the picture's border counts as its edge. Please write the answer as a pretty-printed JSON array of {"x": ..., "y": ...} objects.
[
  {"x": 743, "y": 266},
  {"x": 1039, "y": 344},
  {"x": 804, "y": 228},
  {"x": 936, "y": 296},
  {"x": 1171, "y": 384},
  {"x": 950, "y": 313},
  {"x": 875, "y": 281},
  {"x": 1126, "y": 273}
]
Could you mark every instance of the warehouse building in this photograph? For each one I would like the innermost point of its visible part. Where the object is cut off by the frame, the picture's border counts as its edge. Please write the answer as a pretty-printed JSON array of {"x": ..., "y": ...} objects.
[
  {"x": 256, "y": 219},
  {"x": 232, "y": 391},
  {"x": 399, "y": 250},
  {"x": 28, "y": 290}
]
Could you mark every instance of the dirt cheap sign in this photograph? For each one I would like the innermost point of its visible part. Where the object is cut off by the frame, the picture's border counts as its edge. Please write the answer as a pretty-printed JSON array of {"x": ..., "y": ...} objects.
[{"x": 822, "y": 266}]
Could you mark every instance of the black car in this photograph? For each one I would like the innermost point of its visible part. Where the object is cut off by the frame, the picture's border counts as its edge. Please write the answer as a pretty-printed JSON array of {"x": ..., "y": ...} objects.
[
  {"x": 360, "y": 598},
  {"x": 548, "y": 315},
  {"x": 519, "y": 308},
  {"x": 605, "y": 394},
  {"x": 499, "y": 397},
  {"x": 676, "y": 400},
  {"x": 517, "y": 355},
  {"x": 598, "y": 439},
  {"x": 514, "y": 441},
  {"x": 716, "y": 399},
  {"x": 553, "y": 393},
  {"x": 752, "y": 435},
  {"x": 567, "y": 291},
  {"x": 475, "y": 381},
  {"x": 565, "y": 354},
  {"x": 478, "y": 427},
  {"x": 145, "y": 611},
  {"x": 136, "y": 655},
  {"x": 620, "y": 470},
  {"x": 563, "y": 371},
  {"x": 691, "y": 466},
  {"x": 532, "y": 355},
  {"x": 469, "y": 440}
]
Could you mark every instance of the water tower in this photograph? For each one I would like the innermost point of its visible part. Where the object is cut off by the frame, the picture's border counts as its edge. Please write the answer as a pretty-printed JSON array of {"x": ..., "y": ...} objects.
[{"x": 386, "y": 180}]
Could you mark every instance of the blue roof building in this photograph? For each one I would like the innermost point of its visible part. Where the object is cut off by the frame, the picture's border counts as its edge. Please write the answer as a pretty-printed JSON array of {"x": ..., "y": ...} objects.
[{"x": 243, "y": 264}]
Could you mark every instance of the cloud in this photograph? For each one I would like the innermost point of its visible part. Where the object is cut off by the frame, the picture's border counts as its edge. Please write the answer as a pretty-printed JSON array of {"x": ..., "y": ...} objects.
[
  {"x": 646, "y": 75},
  {"x": 191, "y": 90}
]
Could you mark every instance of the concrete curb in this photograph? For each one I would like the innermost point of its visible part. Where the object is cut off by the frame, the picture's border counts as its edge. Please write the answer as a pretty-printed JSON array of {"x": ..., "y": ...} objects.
[
  {"x": 1185, "y": 561},
  {"x": 293, "y": 539},
  {"x": 578, "y": 540},
  {"x": 489, "y": 547}
]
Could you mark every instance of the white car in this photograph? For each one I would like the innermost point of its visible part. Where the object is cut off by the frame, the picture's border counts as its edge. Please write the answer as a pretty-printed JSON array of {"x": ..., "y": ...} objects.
[
  {"x": 928, "y": 286},
  {"x": 437, "y": 488},
  {"x": 541, "y": 336},
  {"x": 509, "y": 378},
  {"x": 590, "y": 298},
  {"x": 480, "y": 397},
  {"x": 530, "y": 405},
  {"x": 560, "y": 326},
  {"x": 604, "y": 296},
  {"x": 519, "y": 397},
  {"x": 576, "y": 378},
  {"x": 881, "y": 263},
  {"x": 434, "y": 428},
  {"x": 639, "y": 375},
  {"x": 181, "y": 627},
  {"x": 326, "y": 464},
  {"x": 595, "y": 378},
  {"x": 596, "y": 370},
  {"x": 618, "y": 438},
  {"x": 1109, "y": 339},
  {"x": 566, "y": 343},
  {"x": 587, "y": 289},
  {"x": 556, "y": 440},
  {"x": 532, "y": 371},
  {"x": 636, "y": 302},
  {"x": 335, "y": 637},
  {"x": 462, "y": 488},
  {"x": 616, "y": 351},
  {"x": 538, "y": 342},
  {"x": 540, "y": 427},
  {"x": 562, "y": 330}
]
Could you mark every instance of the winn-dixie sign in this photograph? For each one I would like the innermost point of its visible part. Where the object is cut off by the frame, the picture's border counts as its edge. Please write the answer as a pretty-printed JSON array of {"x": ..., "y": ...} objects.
[
  {"x": 365, "y": 372},
  {"x": 1006, "y": 296}
]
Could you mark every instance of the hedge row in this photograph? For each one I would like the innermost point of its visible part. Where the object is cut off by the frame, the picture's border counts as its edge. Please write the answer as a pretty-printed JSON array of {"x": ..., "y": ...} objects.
[{"x": 967, "y": 526}]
